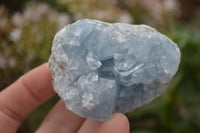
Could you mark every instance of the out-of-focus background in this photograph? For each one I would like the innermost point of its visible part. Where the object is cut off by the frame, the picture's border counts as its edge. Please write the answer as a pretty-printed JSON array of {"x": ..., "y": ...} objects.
[{"x": 27, "y": 28}]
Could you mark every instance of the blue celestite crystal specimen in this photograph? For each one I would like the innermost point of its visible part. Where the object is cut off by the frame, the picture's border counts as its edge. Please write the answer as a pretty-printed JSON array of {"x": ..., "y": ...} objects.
[{"x": 99, "y": 68}]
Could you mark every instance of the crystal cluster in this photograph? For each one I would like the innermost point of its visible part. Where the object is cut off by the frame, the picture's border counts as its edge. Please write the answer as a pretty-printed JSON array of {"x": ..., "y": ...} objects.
[{"x": 99, "y": 68}]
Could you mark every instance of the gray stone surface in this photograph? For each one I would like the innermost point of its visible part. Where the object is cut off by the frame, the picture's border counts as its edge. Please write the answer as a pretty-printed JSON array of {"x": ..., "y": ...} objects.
[{"x": 99, "y": 68}]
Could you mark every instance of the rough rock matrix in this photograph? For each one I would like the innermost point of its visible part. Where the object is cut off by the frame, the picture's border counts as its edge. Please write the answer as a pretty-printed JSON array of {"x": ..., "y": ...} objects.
[{"x": 99, "y": 68}]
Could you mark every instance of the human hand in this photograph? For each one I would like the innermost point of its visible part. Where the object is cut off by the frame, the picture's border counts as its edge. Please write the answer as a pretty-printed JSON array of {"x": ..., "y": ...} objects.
[{"x": 34, "y": 88}]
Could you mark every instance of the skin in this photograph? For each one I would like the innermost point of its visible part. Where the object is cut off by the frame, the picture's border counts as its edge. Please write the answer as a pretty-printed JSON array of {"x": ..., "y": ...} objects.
[{"x": 19, "y": 99}]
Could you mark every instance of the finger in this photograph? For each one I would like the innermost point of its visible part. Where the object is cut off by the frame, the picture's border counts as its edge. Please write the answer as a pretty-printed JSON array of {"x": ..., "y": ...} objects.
[
  {"x": 90, "y": 126},
  {"x": 23, "y": 96},
  {"x": 117, "y": 124},
  {"x": 60, "y": 120}
]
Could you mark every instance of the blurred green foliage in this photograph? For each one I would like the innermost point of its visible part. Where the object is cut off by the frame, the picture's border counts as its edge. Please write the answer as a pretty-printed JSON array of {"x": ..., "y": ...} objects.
[{"x": 26, "y": 37}]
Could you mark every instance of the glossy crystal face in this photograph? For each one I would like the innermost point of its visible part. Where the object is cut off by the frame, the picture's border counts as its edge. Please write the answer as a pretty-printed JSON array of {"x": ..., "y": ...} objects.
[{"x": 99, "y": 68}]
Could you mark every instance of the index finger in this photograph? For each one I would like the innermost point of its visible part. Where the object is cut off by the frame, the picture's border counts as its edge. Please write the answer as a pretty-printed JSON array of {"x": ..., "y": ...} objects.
[{"x": 19, "y": 99}]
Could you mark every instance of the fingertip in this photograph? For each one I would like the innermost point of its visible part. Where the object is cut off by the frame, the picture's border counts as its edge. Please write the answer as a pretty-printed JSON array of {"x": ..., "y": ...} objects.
[
  {"x": 45, "y": 68},
  {"x": 124, "y": 121},
  {"x": 117, "y": 124}
]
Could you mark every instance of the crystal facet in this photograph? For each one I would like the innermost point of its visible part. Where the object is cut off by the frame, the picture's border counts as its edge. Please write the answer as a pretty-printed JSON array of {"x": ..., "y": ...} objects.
[{"x": 99, "y": 68}]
